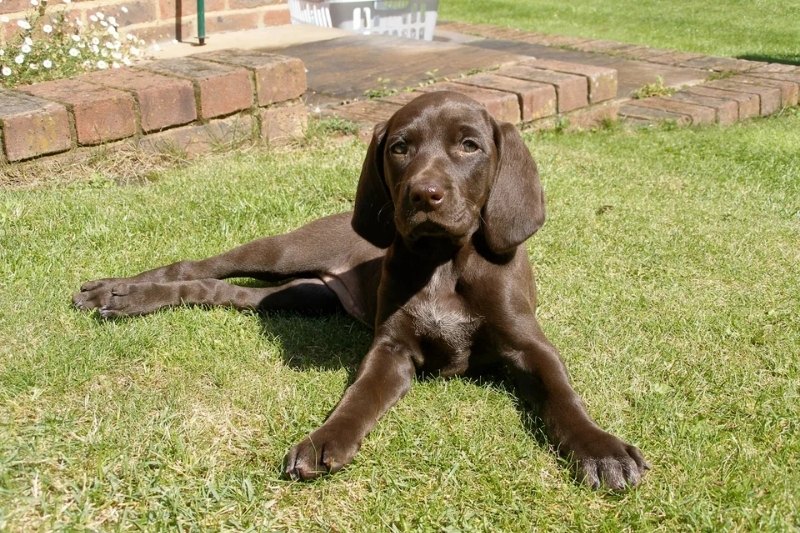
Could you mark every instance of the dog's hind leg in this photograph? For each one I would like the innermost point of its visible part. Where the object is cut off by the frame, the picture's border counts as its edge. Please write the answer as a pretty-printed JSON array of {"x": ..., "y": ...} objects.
[{"x": 307, "y": 296}]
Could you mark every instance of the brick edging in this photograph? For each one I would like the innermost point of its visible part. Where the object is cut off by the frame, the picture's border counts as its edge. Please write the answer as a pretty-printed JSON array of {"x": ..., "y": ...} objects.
[
  {"x": 737, "y": 89},
  {"x": 171, "y": 101}
]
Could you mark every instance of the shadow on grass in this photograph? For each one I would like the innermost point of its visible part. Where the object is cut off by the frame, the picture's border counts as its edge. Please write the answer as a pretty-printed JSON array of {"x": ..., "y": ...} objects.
[{"x": 787, "y": 59}]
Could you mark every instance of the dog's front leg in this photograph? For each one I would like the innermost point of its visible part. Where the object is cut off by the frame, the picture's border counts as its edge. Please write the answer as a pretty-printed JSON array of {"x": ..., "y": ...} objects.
[
  {"x": 599, "y": 457},
  {"x": 385, "y": 375}
]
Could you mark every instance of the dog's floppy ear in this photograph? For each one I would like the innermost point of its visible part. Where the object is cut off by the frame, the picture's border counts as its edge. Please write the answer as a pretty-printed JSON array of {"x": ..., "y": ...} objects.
[
  {"x": 515, "y": 207},
  {"x": 373, "y": 212}
]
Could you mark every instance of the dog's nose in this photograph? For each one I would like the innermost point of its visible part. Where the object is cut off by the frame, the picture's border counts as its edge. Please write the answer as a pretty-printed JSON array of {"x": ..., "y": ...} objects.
[{"x": 427, "y": 196}]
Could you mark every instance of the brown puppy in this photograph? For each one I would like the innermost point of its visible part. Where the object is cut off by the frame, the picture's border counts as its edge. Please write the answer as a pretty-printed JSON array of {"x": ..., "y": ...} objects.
[{"x": 431, "y": 258}]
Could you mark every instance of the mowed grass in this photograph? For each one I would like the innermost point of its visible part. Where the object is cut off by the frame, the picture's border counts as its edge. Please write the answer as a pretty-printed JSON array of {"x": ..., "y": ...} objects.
[
  {"x": 760, "y": 30},
  {"x": 668, "y": 274}
]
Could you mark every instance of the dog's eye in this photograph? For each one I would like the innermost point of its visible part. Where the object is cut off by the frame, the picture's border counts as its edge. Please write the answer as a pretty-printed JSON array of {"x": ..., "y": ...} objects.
[
  {"x": 399, "y": 148},
  {"x": 469, "y": 146}
]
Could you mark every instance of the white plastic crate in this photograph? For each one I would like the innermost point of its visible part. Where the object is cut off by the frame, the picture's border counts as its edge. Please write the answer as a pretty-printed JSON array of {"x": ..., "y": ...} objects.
[{"x": 413, "y": 19}]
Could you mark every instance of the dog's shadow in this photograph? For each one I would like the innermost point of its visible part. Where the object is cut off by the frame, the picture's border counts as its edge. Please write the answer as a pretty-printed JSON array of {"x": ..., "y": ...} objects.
[{"x": 337, "y": 341}]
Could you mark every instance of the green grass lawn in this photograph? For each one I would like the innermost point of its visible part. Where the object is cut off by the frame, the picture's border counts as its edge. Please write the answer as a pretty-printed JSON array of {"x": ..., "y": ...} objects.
[
  {"x": 668, "y": 272},
  {"x": 760, "y": 30}
]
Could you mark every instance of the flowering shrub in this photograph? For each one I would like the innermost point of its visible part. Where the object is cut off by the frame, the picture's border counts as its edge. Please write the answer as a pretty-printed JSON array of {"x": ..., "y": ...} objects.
[{"x": 49, "y": 45}]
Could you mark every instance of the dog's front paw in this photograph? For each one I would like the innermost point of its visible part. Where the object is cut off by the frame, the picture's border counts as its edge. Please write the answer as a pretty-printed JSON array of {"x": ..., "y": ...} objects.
[
  {"x": 601, "y": 459},
  {"x": 94, "y": 294},
  {"x": 325, "y": 451}
]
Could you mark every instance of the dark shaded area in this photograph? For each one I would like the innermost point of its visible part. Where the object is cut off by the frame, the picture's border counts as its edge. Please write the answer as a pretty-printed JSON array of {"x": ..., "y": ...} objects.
[{"x": 786, "y": 59}]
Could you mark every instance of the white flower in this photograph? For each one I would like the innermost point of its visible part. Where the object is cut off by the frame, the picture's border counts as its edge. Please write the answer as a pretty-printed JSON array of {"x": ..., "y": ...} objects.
[
  {"x": 93, "y": 18},
  {"x": 34, "y": 2},
  {"x": 33, "y": 66},
  {"x": 6, "y": 71},
  {"x": 75, "y": 38},
  {"x": 103, "y": 23},
  {"x": 24, "y": 24},
  {"x": 115, "y": 65},
  {"x": 112, "y": 20},
  {"x": 95, "y": 41},
  {"x": 127, "y": 61},
  {"x": 26, "y": 49},
  {"x": 124, "y": 9},
  {"x": 135, "y": 51},
  {"x": 47, "y": 64},
  {"x": 102, "y": 65},
  {"x": 100, "y": 15},
  {"x": 73, "y": 52},
  {"x": 28, "y": 41},
  {"x": 2, "y": 52},
  {"x": 116, "y": 55},
  {"x": 67, "y": 1},
  {"x": 20, "y": 59},
  {"x": 4, "y": 19},
  {"x": 47, "y": 28}
]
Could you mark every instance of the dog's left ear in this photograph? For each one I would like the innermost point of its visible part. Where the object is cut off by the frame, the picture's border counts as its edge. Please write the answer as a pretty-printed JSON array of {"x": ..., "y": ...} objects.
[
  {"x": 373, "y": 212},
  {"x": 515, "y": 207}
]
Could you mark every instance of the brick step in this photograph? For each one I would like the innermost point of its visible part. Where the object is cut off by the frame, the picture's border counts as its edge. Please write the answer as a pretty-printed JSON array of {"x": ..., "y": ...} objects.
[
  {"x": 185, "y": 103},
  {"x": 523, "y": 92},
  {"x": 762, "y": 91}
]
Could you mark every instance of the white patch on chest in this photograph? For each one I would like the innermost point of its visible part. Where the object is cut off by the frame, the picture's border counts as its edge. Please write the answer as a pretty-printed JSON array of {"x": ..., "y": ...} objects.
[{"x": 439, "y": 314}]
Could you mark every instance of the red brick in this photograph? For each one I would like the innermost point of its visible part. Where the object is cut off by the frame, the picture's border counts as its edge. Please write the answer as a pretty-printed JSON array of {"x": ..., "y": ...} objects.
[
  {"x": 250, "y": 4},
  {"x": 225, "y": 21},
  {"x": 792, "y": 76},
  {"x": 643, "y": 53},
  {"x": 776, "y": 67},
  {"x": 789, "y": 89},
  {"x": 401, "y": 98},
  {"x": 32, "y": 127},
  {"x": 12, "y": 6},
  {"x": 769, "y": 97},
  {"x": 278, "y": 78},
  {"x": 280, "y": 124},
  {"x": 277, "y": 17},
  {"x": 602, "y": 81},
  {"x": 636, "y": 111},
  {"x": 163, "y": 101},
  {"x": 202, "y": 138},
  {"x": 748, "y": 103},
  {"x": 536, "y": 100},
  {"x": 223, "y": 89},
  {"x": 369, "y": 112},
  {"x": 572, "y": 91},
  {"x": 719, "y": 64},
  {"x": 674, "y": 58},
  {"x": 503, "y": 106},
  {"x": 727, "y": 110},
  {"x": 698, "y": 114},
  {"x": 139, "y": 11},
  {"x": 101, "y": 114}
]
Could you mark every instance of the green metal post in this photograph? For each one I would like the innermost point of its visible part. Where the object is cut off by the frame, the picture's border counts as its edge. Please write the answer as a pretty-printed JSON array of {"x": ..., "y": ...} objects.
[{"x": 201, "y": 21}]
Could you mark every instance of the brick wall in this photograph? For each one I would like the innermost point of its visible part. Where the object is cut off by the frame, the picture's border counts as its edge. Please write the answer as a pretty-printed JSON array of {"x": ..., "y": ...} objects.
[
  {"x": 161, "y": 20},
  {"x": 191, "y": 104}
]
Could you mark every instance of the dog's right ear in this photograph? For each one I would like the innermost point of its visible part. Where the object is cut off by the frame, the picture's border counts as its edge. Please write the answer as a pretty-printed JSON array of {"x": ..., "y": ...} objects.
[{"x": 373, "y": 212}]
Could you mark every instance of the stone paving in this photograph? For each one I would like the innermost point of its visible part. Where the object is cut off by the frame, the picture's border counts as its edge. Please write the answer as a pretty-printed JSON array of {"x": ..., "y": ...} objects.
[{"x": 526, "y": 78}]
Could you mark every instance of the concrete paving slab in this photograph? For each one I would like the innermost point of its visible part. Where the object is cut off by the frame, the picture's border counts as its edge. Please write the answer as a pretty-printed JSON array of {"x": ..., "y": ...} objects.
[{"x": 344, "y": 68}]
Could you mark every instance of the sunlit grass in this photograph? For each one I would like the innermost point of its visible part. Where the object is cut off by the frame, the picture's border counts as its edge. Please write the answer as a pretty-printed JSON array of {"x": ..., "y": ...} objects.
[{"x": 668, "y": 278}]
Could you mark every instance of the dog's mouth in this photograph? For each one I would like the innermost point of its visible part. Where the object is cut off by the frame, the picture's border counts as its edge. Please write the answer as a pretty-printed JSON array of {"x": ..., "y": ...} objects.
[{"x": 422, "y": 225}]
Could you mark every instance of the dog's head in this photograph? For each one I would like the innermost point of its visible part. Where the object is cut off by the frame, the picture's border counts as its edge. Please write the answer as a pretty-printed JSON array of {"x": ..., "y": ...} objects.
[{"x": 442, "y": 167}]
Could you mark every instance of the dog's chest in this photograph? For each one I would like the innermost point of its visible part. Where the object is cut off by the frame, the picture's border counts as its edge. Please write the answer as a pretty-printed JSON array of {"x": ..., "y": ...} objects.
[{"x": 441, "y": 317}]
